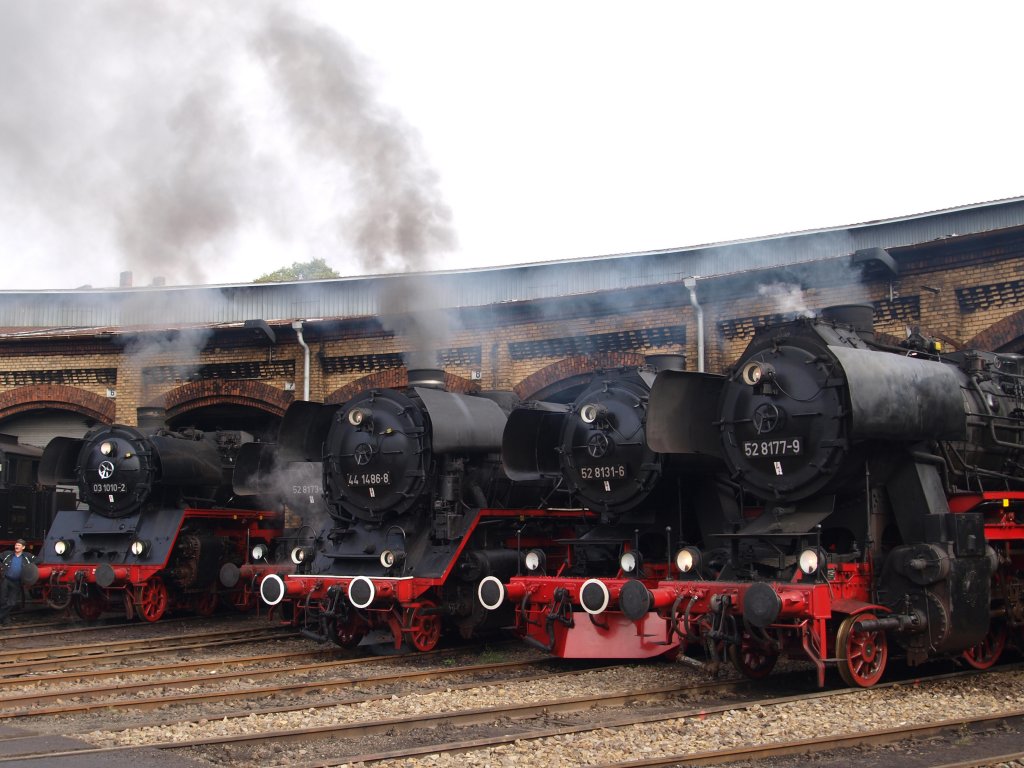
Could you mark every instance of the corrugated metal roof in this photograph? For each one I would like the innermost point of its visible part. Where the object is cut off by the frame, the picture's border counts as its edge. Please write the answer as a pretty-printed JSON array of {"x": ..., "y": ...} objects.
[{"x": 374, "y": 295}]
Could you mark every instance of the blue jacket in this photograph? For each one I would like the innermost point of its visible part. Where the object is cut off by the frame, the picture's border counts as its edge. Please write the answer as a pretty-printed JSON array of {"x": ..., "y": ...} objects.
[{"x": 6, "y": 557}]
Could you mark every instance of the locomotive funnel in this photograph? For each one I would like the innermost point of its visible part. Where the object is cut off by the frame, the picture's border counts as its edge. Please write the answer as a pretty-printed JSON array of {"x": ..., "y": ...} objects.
[
  {"x": 426, "y": 377},
  {"x": 860, "y": 316},
  {"x": 151, "y": 417},
  {"x": 666, "y": 362}
]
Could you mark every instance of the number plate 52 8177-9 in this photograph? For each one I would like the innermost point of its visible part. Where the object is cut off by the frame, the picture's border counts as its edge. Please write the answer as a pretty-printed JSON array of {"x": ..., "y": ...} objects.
[{"x": 783, "y": 447}]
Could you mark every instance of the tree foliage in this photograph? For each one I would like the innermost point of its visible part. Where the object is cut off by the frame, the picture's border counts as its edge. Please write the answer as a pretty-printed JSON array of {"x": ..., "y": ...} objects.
[{"x": 315, "y": 269}]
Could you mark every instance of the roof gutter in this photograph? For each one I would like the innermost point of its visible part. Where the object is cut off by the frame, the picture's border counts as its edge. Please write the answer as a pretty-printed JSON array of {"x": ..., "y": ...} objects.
[{"x": 297, "y": 327}]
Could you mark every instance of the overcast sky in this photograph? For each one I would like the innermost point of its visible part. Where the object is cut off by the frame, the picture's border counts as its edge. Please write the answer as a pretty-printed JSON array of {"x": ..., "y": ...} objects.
[{"x": 215, "y": 142}]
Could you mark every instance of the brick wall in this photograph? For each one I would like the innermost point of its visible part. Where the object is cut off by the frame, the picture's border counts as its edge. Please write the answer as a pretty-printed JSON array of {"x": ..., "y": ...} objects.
[{"x": 973, "y": 298}]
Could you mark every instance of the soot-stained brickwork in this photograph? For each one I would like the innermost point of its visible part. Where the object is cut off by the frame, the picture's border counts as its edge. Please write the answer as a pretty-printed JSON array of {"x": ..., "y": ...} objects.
[{"x": 966, "y": 291}]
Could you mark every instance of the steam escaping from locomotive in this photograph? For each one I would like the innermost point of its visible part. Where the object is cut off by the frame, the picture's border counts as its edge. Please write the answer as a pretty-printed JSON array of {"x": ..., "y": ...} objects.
[{"x": 229, "y": 147}]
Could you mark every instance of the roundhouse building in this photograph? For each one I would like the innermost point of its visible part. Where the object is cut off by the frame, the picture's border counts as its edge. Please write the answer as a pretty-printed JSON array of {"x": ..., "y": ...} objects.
[{"x": 234, "y": 356}]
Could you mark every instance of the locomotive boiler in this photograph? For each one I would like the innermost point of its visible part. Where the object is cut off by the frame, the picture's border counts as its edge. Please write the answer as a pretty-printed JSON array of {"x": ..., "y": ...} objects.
[
  {"x": 158, "y": 521},
  {"x": 883, "y": 493},
  {"x": 639, "y": 504},
  {"x": 420, "y": 511}
]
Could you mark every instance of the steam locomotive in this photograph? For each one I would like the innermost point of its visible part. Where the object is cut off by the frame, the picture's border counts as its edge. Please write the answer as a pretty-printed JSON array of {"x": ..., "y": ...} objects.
[
  {"x": 882, "y": 492},
  {"x": 420, "y": 512},
  {"x": 159, "y": 521},
  {"x": 641, "y": 504}
]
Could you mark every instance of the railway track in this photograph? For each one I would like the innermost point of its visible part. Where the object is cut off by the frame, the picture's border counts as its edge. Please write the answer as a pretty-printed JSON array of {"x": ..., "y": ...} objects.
[
  {"x": 120, "y": 696},
  {"x": 612, "y": 716},
  {"x": 472, "y": 705},
  {"x": 21, "y": 661}
]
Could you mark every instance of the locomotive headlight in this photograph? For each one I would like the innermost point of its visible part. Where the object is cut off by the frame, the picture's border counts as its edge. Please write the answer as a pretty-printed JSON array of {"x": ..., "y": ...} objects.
[
  {"x": 811, "y": 561},
  {"x": 630, "y": 562},
  {"x": 688, "y": 559},
  {"x": 389, "y": 558},
  {"x": 107, "y": 448},
  {"x": 753, "y": 373},
  {"x": 259, "y": 552},
  {"x": 358, "y": 416},
  {"x": 535, "y": 561},
  {"x": 63, "y": 547},
  {"x": 591, "y": 412},
  {"x": 139, "y": 547},
  {"x": 301, "y": 555}
]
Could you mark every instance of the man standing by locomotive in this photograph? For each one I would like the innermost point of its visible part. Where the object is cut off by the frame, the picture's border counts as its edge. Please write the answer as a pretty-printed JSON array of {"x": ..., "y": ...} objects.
[{"x": 12, "y": 565}]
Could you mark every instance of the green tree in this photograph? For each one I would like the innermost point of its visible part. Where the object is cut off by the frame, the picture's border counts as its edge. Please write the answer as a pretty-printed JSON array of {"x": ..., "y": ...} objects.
[{"x": 315, "y": 269}]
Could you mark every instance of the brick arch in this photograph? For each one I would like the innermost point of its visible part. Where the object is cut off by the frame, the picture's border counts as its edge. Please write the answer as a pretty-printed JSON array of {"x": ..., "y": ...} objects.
[
  {"x": 574, "y": 366},
  {"x": 59, "y": 397},
  {"x": 248, "y": 393},
  {"x": 1000, "y": 336},
  {"x": 395, "y": 378}
]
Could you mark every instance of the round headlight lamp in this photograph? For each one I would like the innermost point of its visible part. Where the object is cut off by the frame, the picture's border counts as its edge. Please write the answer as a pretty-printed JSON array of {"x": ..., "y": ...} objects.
[
  {"x": 357, "y": 416},
  {"x": 630, "y": 561},
  {"x": 535, "y": 560},
  {"x": 811, "y": 561},
  {"x": 139, "y": 547},
  {"x": 688, "y": 559}
]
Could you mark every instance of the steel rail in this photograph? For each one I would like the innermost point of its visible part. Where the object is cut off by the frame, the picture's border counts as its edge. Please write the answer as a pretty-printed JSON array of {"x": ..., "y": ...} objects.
[
  {"x": 53, "y": 657},
  {"x": 160, "y": 701}
]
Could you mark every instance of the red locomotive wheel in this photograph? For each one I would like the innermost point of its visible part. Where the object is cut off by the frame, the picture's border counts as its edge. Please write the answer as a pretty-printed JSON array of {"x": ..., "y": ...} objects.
[
  {"x": 987, "y": 652},
  {"x": 348, "y": 634},
  {"x": 422, "y": 628},
  {"x": 752, "y": 659},
  {"x": 88, "y": 607},
  {"x": 152, "y": 599},
  {"x": 862, "y": 654}
]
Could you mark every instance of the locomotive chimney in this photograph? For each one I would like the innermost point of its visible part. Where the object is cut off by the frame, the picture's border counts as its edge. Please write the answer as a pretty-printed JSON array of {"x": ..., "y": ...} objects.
[
  {"x": 150, "y": 417},
  {"x": 666, "y": 362},
  {"x": 432, "y": 378},
  {"x": 861, "y": 317}
]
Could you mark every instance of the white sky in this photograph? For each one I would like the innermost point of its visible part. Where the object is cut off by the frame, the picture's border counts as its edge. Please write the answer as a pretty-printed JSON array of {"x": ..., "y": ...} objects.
[{"x": 556, "y": 129}]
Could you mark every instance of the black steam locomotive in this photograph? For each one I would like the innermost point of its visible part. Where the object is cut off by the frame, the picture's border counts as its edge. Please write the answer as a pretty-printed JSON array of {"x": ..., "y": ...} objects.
[
  {"x": 883, "y": 497},
  {"x": 639, "y": 504},
  {"x": 420, "y": 511},
  {"x": 159, "y": 521}
]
